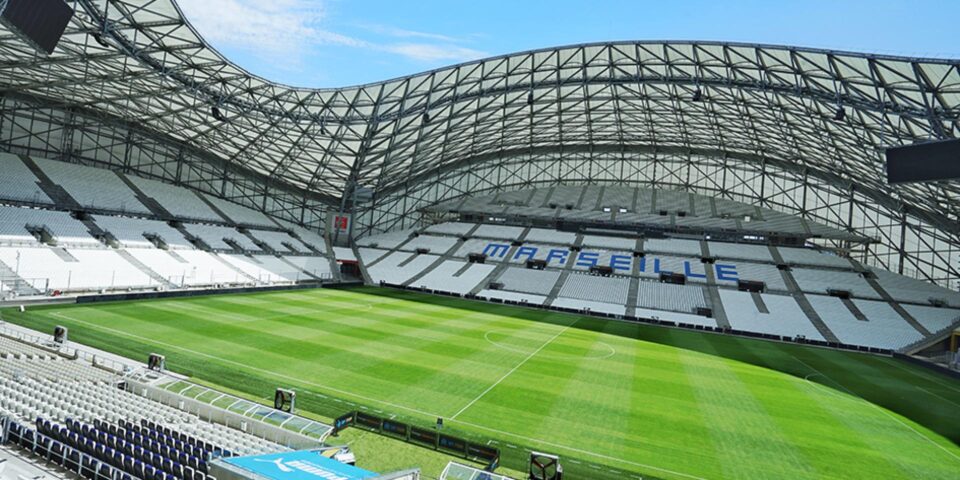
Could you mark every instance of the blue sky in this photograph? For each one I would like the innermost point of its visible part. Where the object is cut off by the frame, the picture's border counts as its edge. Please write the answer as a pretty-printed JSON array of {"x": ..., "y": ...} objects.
[{"x": 332, "y": 43}]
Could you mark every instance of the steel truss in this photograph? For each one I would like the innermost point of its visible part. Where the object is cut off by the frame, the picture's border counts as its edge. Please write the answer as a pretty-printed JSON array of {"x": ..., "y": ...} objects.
[{"x": 752, "y": 122}]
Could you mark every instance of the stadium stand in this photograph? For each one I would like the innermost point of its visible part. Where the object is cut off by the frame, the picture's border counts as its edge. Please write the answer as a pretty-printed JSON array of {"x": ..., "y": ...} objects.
[
  {"x": 278, "y": 241},
  {"x": 806, "y": 256},
  {"x": 217, "y": 237},
  {"x": 132, "y": 232},
  {"x": 537, "y": 282},
  {"x": 677, "y": 298},
  {"x": 239, "y": 214},
  {"x": 180, "y": 202},
  {"x": 16, "y": 223},
  {"x": 93, "y": 187},
  {"x": 881, "y": 326},
  {"x": 783, "y": 317},
  {"x": 813, "y": 273},
  {"x": 66, "y": 411},
  {"x": 739, "y": 251},
  {"x": 451, "y": 228},
  {"x": 455, "y": 277},
  {"x": 19, "y": 183},
  {"x": 593, "y": 288}
]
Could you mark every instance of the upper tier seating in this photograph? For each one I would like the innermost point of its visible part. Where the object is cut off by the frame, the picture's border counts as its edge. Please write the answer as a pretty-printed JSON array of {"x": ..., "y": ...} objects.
[
  {"x": 64, "y": 228},
  {"x": 307, "y": 236},
  {"x": 93, "y": 187},
  {"x": 130, "y": 231},
  {"x": 451, "y": 228},
  {"x": 276, "y": 241},
  {"x": 19, "y": 183},
  {"x": 455, "y": 277},
  {"x": 766, "y": 273},
  {"x": 179, "y": 201},
  {"x": 905, "y": 289},
  {"x": 501, "y": 232},
  {"x": 785, "y": 319},
  {"x": 807, "y": 256},
  {"x": 436, "y": 245},
  {"x": 690, "y": 248},
  {"x": 524, "y": 280},
  {"x": 239, "y": 214},
  {"x": 385, "y": 240},
  {"x": 214, "y": 235},
  {"x": 550, "y": 236},
  {"x": 610, "y": 243},
  {"x": 933, "y": 319},
  {"x": 819, "y": 281},
  {"x": 594, "y": 288},
  {"x": 740, "y": 251}
]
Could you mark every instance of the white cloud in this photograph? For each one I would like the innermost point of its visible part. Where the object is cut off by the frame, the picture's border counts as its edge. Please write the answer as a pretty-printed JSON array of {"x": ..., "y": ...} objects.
[
  {"x": 425, "y": 52},
  {"x": 403, "y": 33},
  {"x": 287, "y": 30},
  {"x": 271, "y": 27}
]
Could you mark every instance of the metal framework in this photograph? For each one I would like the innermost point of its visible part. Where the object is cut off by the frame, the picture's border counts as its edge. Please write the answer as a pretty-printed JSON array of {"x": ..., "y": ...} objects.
[{"x": 754, "y": 123}]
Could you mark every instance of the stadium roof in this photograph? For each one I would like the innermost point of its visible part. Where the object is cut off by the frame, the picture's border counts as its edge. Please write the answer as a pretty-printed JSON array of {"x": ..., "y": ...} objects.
[{"x": 141, "y": 62}]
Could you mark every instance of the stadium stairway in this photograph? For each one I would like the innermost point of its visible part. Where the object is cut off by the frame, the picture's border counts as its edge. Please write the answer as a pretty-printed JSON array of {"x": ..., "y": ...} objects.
[
  {"x": 501, "y": 267},
  {"x": 226, "y": 219},
  {"x": 154, "y": 206},
  {"x": 64, "y": 255},
  {"x": 295, "y": 267},
  {"x": 264, "y": 246},
  {"x": 854, "y": 310},
  {"x": 195, "y": 240},
  {"x": 56, "y": 193},
  {"x": 895, "y": 305},
  {"x": 96, "y": 232},
  {"x": 233, "y": 267},
  {"x": 802, "y": 301},
  {"x": 436, "y": 263},
  {"x": 176, "y": 256},
  {"x": 713, "y": 295},
  {"x": 145, "y": 269},
  {"x": 15, "y": 282},
  {"x": 367, "y": 279},
  {"x": 391, "y": 251},
  {"x": 634, "y": 292},
  {"x": 567, "y": 269}
]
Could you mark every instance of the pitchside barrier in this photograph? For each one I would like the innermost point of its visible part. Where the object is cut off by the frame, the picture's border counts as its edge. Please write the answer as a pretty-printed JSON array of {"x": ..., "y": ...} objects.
[
  {"x": 425, "y": 437},
  {"x": 655, "y": 321}
]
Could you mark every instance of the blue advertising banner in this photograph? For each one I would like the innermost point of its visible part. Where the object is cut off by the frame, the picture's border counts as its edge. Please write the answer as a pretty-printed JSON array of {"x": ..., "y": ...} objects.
[{"x": 301, "y": 465}]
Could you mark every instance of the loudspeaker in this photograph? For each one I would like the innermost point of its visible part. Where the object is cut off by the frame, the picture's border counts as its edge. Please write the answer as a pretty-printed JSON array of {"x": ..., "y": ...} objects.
[
  {"x": 924, "y": 162},
  {"x": 40, "y": 23}
]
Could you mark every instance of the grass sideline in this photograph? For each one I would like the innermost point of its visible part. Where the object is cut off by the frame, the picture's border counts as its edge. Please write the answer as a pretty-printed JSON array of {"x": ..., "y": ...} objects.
[{"x": 605, "y": 395}]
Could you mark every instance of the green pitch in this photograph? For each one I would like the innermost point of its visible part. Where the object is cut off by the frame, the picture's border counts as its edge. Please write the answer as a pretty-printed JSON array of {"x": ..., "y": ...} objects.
[{"x": 661, "y": 402}]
